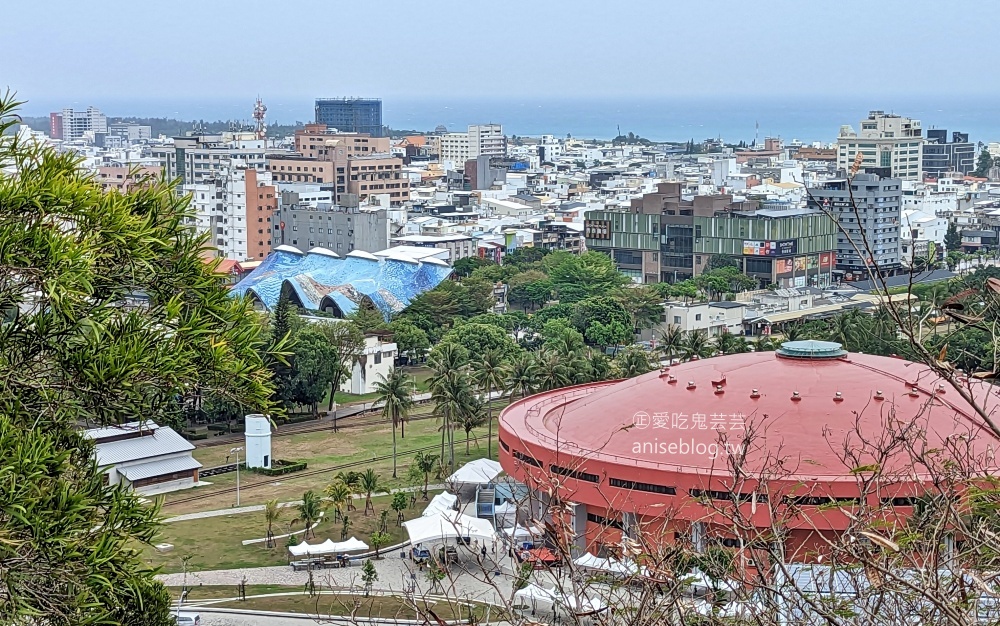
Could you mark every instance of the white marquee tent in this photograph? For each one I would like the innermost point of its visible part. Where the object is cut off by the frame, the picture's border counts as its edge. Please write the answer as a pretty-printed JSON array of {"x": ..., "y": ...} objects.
[
  {"x": 328, "y": 547},
  {"x": 612, "y": 566},
  {"x": 448, "y": 525},
  {"x": 520, "y": 533},
  {"x": 441, "y": 503},
  {"x": 534, "y": 594},
  {"x": 477, "y": 472}
]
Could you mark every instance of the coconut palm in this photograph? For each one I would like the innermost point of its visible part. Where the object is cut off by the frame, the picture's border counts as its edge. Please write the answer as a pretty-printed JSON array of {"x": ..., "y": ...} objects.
[
  {"x": 449, "y": 388},
  {"x": 793, "y": 332},
  {"x": 728, "y": 343},
  {"x": 763, "y": 344},
  {"x": 339, "y": 494},
  {"x": 352, "y": 480},
  {"x": 489, "y": 374},
  {"x": 369, "y": 483},
  {"x": 632, "y": 361},
  {"x": 696, "y": 345},
  {"x": 669, "y": 341},
  {"x": 553, "y": 370},
  {"x": 395, "y": 394},
  {"x": 310, "y": 512},
  {"x": 523, "y": 375},
  {"x": 272, "y": 513},
  {"x": 451, "y": 394},
  {"x": 473, "y": 415},
  {"x": 845, "y": 327}
]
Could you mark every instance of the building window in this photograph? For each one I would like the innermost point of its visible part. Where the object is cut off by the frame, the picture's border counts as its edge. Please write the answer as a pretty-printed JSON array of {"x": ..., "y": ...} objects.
[
  {"x": 524, "y": 458},
  {"x": 562, "y": 471},
  {"x": 637, "y": 486}
]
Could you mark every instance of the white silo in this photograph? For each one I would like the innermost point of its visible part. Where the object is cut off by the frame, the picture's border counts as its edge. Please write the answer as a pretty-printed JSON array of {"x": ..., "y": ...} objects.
[{"x": 258, "y": 441}]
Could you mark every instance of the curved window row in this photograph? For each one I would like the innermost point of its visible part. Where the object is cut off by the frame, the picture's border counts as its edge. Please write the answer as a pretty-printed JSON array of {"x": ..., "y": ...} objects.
[
  {"x": 603, "y": 521},
  {"x": 637, "y": 486},
  {"x": 727, "y": 495},
  {"x": 562, "y": 471},
  {"x": 524, "y": 458},
  {"x": 503, "y": 444},
  {"x": 819, "y": 501}
]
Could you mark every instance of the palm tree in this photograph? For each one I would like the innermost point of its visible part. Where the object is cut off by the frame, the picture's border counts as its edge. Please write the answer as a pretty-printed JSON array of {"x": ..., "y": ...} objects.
[
  {"x": 369, "y": 484},
  {"x": 728, "y": 343},
  {"x": 394, "y": 393},
  {"x": 426, "y": 464},
  {"x": 696, "y": 345},
  {"x": 272, "y": 512},
  {"x": 489, "y": 373},
  {"x": 844, "y": 329},
  {"x": 449, "y": 388},
  {"x": 473, "y": 416},
  {"x": 310, "y": 512},
  {"x": 669, "y": 341},
  {"x": 763, "y": 344},
  {"x": 351, "y": 479},
  {"x": 553, "y": 372},
  {"x": 452, "y": 395},
  {"x": 633, "y": 361},
  {"x": 338, "y": 494},
  {"x": 523, "y": 375},
  {"x": 793, "y": 332},
  {"x": 598, "y": 365}
]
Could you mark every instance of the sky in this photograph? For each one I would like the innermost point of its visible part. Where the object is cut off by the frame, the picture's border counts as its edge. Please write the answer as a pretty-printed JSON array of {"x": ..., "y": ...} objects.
[{"x": 58, "y": 53}]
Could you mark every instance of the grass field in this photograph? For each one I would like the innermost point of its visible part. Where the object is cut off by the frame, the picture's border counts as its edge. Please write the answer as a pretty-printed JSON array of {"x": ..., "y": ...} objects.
[
  {"x": 321, "y": 450},
  {"x": 216, "y": 542}
]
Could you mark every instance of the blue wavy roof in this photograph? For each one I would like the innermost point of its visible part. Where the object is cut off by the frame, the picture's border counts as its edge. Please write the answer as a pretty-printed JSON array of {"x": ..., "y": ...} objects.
[{"x": 321, "y": 280}]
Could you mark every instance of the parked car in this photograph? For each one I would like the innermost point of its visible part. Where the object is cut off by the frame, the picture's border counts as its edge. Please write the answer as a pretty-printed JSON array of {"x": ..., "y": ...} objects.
[
  {"x": 419, "y": 554},
  {"x": 187, "y": 619}
]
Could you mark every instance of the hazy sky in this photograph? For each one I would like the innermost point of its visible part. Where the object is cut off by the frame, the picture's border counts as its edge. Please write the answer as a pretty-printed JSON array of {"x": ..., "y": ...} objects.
[{"x": 71, "y": 51}]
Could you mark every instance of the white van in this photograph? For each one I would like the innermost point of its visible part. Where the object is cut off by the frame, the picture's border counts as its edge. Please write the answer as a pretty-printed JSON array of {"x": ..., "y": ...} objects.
[{"x": 187, "y": 619}]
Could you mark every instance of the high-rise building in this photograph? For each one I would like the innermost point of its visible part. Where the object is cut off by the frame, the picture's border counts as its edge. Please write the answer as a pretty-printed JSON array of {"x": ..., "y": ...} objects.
[
  {"x": 891, "y": 146},
  {"x": 942, "y": 156},
  {"x": 200, "y": 157},
  {"x": 75, "y": 124},
  {"x": 235, "y": 205},
  {"x": 867, "y": 207},
  {"x": 479, "y": 140},
  {"x": 351, "y": 115},
  {"x": 55, "y": 126}
]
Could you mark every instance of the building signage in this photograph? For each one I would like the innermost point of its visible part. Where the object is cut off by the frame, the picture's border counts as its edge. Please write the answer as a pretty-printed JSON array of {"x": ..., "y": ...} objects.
[
  {"x": 784, "y": 247},
  {"x": 597, "y": 229}
]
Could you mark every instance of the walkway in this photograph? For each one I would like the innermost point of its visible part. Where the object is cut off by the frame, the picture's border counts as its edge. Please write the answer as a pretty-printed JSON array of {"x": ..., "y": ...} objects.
[
  {"x": 468, "y": 580},
  {"x": 260, "y": 507}
]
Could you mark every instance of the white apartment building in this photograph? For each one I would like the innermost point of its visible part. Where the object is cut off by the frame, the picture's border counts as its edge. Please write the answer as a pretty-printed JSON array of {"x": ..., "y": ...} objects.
[
  {"x": 220, "y": 203},
  {"x": 890, "y": 143},
  {"x": 198, "y": 157},
  {"x": 479, "y": 140},
  {"x": 458, "y": 246},
  {"x": 76, "y": 124}
]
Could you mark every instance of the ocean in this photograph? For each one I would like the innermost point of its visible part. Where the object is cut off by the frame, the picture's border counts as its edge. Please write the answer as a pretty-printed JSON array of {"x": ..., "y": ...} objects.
[{"x": 733, "y": 118}]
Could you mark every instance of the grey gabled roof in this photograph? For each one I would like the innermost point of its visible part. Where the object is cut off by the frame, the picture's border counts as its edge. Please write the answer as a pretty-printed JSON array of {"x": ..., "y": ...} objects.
[
  {"x": 158, "y": 468},
  {"x": 160, "y": 442}
]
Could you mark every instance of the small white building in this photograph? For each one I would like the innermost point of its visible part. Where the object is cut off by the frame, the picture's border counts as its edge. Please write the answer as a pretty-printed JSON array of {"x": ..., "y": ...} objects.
[
  {"x": 150, "y": 458},
  {"x": 377, "y": 361},
  {"x": 714, "y": 318}
]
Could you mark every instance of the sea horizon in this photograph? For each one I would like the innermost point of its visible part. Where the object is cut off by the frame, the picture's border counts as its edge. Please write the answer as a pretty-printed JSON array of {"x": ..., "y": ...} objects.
[{"x": 676, "y": 119}]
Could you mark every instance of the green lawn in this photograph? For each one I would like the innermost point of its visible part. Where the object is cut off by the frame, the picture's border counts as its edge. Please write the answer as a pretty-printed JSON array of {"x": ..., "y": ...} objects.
[
  {"x": 358, "y": 606},
  {"x": 216, "y": 542},
  {"x": 324, "y": 449}
]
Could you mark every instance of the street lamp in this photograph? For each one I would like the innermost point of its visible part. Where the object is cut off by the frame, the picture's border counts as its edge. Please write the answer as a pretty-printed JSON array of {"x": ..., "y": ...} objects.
[{"x": 236, "y": 451}]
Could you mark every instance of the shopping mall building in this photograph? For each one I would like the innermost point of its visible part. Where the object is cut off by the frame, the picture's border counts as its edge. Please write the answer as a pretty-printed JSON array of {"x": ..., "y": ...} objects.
[{"x": 783, "y": 441}]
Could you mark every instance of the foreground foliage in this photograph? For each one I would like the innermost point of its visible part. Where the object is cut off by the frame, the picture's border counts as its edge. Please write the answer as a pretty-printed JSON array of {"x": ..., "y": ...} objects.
[{"x": 110, "y": 316}]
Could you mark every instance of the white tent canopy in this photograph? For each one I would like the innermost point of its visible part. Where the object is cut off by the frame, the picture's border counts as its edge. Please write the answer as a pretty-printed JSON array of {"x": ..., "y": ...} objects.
[
  {"x": 328, "y": 547},
  {"x": 623, "y": 568},
  {"x": 534, "y": 593},
  {"x": 449, "y": 525},
  {"x": 477, "y": 472},
  {"x": 441, "y": 503},
  {"x": 518, "y": 533}
]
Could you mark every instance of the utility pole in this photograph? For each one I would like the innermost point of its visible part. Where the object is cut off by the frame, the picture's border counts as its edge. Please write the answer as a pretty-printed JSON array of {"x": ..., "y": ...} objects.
[{"x": 236, "y": 451}]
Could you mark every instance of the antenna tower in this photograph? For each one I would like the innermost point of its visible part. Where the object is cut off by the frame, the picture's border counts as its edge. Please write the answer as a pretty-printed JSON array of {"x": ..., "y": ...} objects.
[{"x": 259, "y": 112}]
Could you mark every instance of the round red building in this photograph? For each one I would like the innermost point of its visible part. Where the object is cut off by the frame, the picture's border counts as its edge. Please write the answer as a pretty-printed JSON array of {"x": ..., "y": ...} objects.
[{"x": 793, "y": 436}]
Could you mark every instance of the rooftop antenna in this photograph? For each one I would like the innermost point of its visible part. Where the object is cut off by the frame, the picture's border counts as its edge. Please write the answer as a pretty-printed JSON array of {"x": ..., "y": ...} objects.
[{"x": 259, "y": 112}]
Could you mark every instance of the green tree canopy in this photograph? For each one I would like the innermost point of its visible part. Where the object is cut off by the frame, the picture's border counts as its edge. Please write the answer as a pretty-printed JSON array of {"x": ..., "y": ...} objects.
[
  {"x": 983, "y": 164},
  {"x": 477, "y": 338},
  {"x": 411, "y": 340},
  {"x": 111, "y": 314}
]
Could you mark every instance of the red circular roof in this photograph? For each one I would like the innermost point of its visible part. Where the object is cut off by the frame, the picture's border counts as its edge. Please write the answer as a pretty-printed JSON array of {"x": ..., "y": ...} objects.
[{"x": 774, "y": 405}]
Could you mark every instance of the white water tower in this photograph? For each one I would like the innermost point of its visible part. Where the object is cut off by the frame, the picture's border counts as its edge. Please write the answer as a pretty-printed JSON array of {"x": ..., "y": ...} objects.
[{"x": 258, "y": 441}]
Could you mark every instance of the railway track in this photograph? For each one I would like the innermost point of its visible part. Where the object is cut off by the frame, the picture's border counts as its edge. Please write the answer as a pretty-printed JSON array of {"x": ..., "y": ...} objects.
[{"x": 308, "y": 473}]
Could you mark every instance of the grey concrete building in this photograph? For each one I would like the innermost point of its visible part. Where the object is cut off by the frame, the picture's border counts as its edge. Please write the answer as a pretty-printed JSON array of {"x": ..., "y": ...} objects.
[
  {"x": 351, "y": 115},
  {"x": 871, "y": 222},
  {"x": 942, "y": 157},
  {"x": 337, "y": 228}
]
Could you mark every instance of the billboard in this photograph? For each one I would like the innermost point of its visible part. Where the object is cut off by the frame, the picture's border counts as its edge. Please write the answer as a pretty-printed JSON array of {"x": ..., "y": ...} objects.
[
  {"x": 783, "y": 267},
  {"x": 784, "y": 247}
]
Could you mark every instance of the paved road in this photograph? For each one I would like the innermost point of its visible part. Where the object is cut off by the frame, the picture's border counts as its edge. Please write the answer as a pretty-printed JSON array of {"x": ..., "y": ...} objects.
[{"x": 219, "y": 619}]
